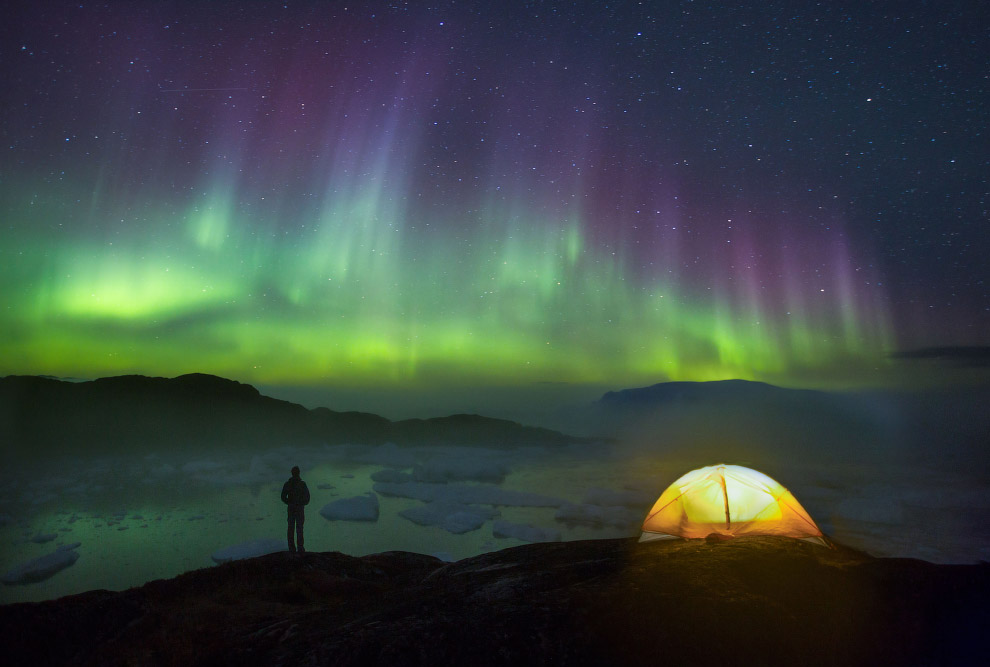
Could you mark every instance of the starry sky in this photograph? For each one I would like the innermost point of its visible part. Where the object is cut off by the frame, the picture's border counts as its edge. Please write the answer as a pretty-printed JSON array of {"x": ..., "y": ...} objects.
[{"x": 414, "y": 195}]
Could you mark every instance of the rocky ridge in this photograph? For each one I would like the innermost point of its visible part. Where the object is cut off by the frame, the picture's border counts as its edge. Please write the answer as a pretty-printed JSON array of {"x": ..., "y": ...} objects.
[{"x": 757, "y": 600}]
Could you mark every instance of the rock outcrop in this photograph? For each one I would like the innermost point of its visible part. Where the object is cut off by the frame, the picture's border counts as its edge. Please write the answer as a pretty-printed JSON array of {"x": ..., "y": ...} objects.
[{"x": 760, "y": 600}]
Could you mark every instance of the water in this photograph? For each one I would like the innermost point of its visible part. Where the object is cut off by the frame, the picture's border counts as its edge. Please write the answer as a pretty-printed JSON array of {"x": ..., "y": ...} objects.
[{"x": 153, "y": 516}]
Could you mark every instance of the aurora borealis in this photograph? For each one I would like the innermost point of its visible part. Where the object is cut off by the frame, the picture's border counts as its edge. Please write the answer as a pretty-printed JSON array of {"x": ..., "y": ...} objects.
[{"x": 412, "y": 196}]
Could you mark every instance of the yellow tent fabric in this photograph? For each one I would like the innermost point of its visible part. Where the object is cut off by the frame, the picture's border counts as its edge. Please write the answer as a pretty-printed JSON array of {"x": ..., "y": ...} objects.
[{"x": 728, "y": 500}]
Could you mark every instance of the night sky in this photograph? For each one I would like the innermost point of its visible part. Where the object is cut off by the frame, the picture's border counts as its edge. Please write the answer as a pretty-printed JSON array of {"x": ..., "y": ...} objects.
[{"x": 412, "y": 195}]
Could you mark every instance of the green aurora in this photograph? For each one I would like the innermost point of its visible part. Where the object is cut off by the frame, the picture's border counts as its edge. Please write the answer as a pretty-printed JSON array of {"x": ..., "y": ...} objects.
[
  {"x": 381, "y": 199},
  {"x": 359, "y": 295}
]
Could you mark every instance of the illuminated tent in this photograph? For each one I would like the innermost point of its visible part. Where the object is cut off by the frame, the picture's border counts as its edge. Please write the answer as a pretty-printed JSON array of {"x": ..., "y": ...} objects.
[{"x": 728, "y": 500}]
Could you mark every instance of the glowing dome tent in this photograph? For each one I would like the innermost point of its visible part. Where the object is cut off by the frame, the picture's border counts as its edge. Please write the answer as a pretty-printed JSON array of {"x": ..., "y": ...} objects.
[{"x": 728, "y": 500}]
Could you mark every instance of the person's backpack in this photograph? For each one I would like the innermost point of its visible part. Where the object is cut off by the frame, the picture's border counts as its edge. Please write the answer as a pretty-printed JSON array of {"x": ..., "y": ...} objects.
[{"x": 298, "y": 493}]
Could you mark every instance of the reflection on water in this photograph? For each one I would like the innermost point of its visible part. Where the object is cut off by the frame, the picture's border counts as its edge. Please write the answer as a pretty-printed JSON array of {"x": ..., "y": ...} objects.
[{"x": 152, "y": 517}]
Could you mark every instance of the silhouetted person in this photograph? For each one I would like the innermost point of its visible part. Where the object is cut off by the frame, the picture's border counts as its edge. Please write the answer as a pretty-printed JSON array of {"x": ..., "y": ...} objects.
[{"x": 295, "y": 494}]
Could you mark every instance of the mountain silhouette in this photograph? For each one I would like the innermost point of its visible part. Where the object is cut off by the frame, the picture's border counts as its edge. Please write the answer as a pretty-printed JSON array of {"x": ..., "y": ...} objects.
[{"x": 44, "y": 416}]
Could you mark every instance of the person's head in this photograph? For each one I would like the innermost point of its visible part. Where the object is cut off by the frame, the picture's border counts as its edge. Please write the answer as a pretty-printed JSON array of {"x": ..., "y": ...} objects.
[{"x": 295, "y": 471}]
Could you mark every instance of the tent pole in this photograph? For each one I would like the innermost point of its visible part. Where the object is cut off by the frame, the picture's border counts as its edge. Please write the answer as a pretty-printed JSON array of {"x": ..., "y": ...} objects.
[{"x": 725, "y": 497}]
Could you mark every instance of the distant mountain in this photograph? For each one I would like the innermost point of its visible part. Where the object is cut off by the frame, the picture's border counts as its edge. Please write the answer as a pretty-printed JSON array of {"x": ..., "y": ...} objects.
[
  {"x": 741, "y": 421},
  {"x": 666, "y": 393},
  {"x": 747, "y": 601},
  {"x": 43, "y": 416}
]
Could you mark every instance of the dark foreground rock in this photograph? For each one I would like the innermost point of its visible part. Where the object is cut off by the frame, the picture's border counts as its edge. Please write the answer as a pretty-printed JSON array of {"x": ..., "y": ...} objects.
[{"x": 747, "y": 601}]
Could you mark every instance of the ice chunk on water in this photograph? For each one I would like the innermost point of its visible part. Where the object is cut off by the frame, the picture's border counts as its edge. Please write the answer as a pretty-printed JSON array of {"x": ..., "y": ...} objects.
[
  {"x": 356, "y": 508},
  {"x": 524, "y": 532},
  {"x": 452, "y": 517},
  {"x": 249, "y": 549},
  {"x": 42, "y": 568}
]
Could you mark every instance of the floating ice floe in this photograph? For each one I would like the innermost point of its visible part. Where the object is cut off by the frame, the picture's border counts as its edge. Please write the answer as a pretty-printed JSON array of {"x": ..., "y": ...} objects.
[
  {"x": 453, "y": 518},
  {"x": 524, "y": 532},
  {"x": 250, "y": 549},
  {"x": 356, "y": 508},
  {"x": 466, "y": 494},
  {"x": 42, "y": 568}
]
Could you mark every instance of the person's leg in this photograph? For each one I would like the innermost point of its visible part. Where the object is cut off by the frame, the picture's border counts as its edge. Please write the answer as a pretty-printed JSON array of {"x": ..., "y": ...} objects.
[
  {"x": 300, "y": 520},
  {"x": 292, "y": 520}
]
